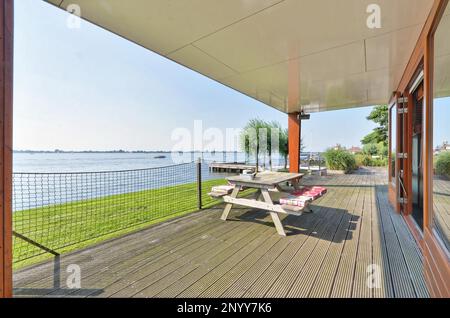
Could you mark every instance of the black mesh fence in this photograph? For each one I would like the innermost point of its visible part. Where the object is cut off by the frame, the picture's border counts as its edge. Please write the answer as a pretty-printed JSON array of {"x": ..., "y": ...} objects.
[{"x": 58, "y": 212}]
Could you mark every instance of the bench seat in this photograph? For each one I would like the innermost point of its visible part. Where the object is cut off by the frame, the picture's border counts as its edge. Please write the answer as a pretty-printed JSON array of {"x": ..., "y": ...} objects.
[{"x": 303, "y": 197}]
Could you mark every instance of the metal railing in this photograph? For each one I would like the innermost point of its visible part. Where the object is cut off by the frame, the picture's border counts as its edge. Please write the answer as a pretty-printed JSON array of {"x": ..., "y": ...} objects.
[
  {"x": 312, "y": 161},
  {"x": 58, "y": 212}
]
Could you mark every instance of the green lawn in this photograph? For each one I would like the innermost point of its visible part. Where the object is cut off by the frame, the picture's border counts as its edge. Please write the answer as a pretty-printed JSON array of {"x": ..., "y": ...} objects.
[{"x": 71, "y": 226}]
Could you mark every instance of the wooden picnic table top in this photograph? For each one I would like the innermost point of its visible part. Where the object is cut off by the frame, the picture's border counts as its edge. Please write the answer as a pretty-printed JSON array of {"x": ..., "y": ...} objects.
[{"x": 265, "y": 179}]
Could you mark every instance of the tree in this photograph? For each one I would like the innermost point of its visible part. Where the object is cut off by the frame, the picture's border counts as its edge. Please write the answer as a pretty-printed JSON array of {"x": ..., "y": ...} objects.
[
  {"x": 251, "y": 138},
  {"x": 272, "y": 128},
  {"x": 379, "y": 115},
  {"x": 256, "y": 139},
  {"x": 383, "y": 150},
  {"x": 284, "y": 146},
  {"x": 370, "y": 149}
]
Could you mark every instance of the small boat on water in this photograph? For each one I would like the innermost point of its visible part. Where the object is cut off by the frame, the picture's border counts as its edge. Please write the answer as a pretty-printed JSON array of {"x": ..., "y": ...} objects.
[{"x": 160, "y": 157}]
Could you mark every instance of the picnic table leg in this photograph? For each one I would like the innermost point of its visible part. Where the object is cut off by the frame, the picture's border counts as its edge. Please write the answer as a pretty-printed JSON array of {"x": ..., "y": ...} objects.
[
  {"x": 257, "y": 195},
  {"x": 275, "y": 218},
  {"x": 296, "y": 184},
  {"x": 228, "y": 207}
]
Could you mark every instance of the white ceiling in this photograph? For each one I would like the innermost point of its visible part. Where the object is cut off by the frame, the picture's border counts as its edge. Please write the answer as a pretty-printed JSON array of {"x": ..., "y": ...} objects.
[{"x": 316, "y": 55}]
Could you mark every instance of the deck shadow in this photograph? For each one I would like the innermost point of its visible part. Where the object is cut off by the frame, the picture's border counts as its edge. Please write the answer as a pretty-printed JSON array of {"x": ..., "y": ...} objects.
[{"x": 298, "y": 225}]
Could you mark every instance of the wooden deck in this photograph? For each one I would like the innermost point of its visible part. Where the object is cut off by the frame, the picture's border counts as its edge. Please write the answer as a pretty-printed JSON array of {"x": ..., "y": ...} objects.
[
  {"x": 441, "y": 198},
  {"x": 326, "y": 253}
]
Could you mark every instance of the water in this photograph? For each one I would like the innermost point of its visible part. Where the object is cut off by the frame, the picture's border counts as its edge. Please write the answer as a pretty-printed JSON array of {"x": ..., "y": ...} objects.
[{"x": 96, "y": 162}]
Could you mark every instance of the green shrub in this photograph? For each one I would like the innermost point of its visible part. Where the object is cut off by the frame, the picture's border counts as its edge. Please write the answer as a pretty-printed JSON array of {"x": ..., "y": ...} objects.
[
  {"x": 359, "y": 157},
  {"x": 380, "y": 162},
  {"x": 340, "y": 160},
  {"x": 443, "y": 164},
  {"x": 363, "y": 160}
]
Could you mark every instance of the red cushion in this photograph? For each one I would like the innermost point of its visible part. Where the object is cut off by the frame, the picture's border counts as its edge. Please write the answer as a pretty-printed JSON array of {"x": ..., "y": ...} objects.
[{"x": 312, "y": 192}]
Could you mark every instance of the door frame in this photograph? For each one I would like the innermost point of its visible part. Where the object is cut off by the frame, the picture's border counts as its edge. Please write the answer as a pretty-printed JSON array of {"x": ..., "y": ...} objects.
[
  {"x": 393, "y": 186},
  {"x": 417, "y": 78}
]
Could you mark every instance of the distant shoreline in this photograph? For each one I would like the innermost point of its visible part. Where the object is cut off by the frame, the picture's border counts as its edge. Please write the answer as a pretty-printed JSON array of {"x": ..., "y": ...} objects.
[{"x": 117, "y": 151}]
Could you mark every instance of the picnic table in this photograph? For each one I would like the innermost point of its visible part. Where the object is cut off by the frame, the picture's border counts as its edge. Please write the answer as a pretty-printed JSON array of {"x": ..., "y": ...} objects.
[{"x": 265, "y": 183}]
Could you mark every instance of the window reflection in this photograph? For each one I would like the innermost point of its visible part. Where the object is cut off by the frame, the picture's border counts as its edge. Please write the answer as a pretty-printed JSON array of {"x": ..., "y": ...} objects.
[{"x": 441, "y": 132}]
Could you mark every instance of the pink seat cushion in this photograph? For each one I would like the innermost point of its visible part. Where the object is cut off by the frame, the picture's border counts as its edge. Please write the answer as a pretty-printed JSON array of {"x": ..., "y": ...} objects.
[
  {"x": 312, "y": 192},
  {"x": 322, "y": 190}
]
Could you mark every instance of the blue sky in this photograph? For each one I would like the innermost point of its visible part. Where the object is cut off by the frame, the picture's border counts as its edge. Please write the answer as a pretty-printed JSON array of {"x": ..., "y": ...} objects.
[
  {"x": 81, "y": 89},
  {"x": 441, "y": 128}
]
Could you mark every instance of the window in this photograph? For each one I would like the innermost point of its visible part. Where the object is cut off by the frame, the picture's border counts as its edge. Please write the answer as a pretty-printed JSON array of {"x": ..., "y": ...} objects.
[{"x": 441, "y": 131}]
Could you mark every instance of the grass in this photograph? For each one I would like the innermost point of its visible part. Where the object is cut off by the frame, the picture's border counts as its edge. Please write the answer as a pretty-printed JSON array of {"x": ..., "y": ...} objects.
[{"x": 75, "y": 225}]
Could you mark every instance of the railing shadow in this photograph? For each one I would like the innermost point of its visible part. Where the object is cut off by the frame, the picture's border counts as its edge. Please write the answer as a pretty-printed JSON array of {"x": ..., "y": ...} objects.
[{"x": 57, "y": 289}]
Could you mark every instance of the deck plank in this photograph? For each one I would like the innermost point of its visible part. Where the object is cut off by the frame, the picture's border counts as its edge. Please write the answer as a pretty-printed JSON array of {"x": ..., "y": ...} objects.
[{"x": 364, "y": 252}]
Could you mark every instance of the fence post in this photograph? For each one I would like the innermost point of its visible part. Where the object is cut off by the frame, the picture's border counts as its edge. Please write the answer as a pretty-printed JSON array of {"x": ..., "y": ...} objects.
[{"x": 199, "y": 183}]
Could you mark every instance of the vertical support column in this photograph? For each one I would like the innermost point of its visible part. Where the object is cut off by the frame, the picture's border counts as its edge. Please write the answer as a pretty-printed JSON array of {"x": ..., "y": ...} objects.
[
  {"x": 294, "y": 129},
  {"x": 6, "y": 91},
  {"x": 199, "y": 184},
  {"x": 293, "y": 107}
]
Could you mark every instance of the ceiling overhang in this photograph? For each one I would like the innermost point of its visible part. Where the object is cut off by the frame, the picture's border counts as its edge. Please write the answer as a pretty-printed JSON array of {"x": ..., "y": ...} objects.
[{"x": 315, "y": 55}]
